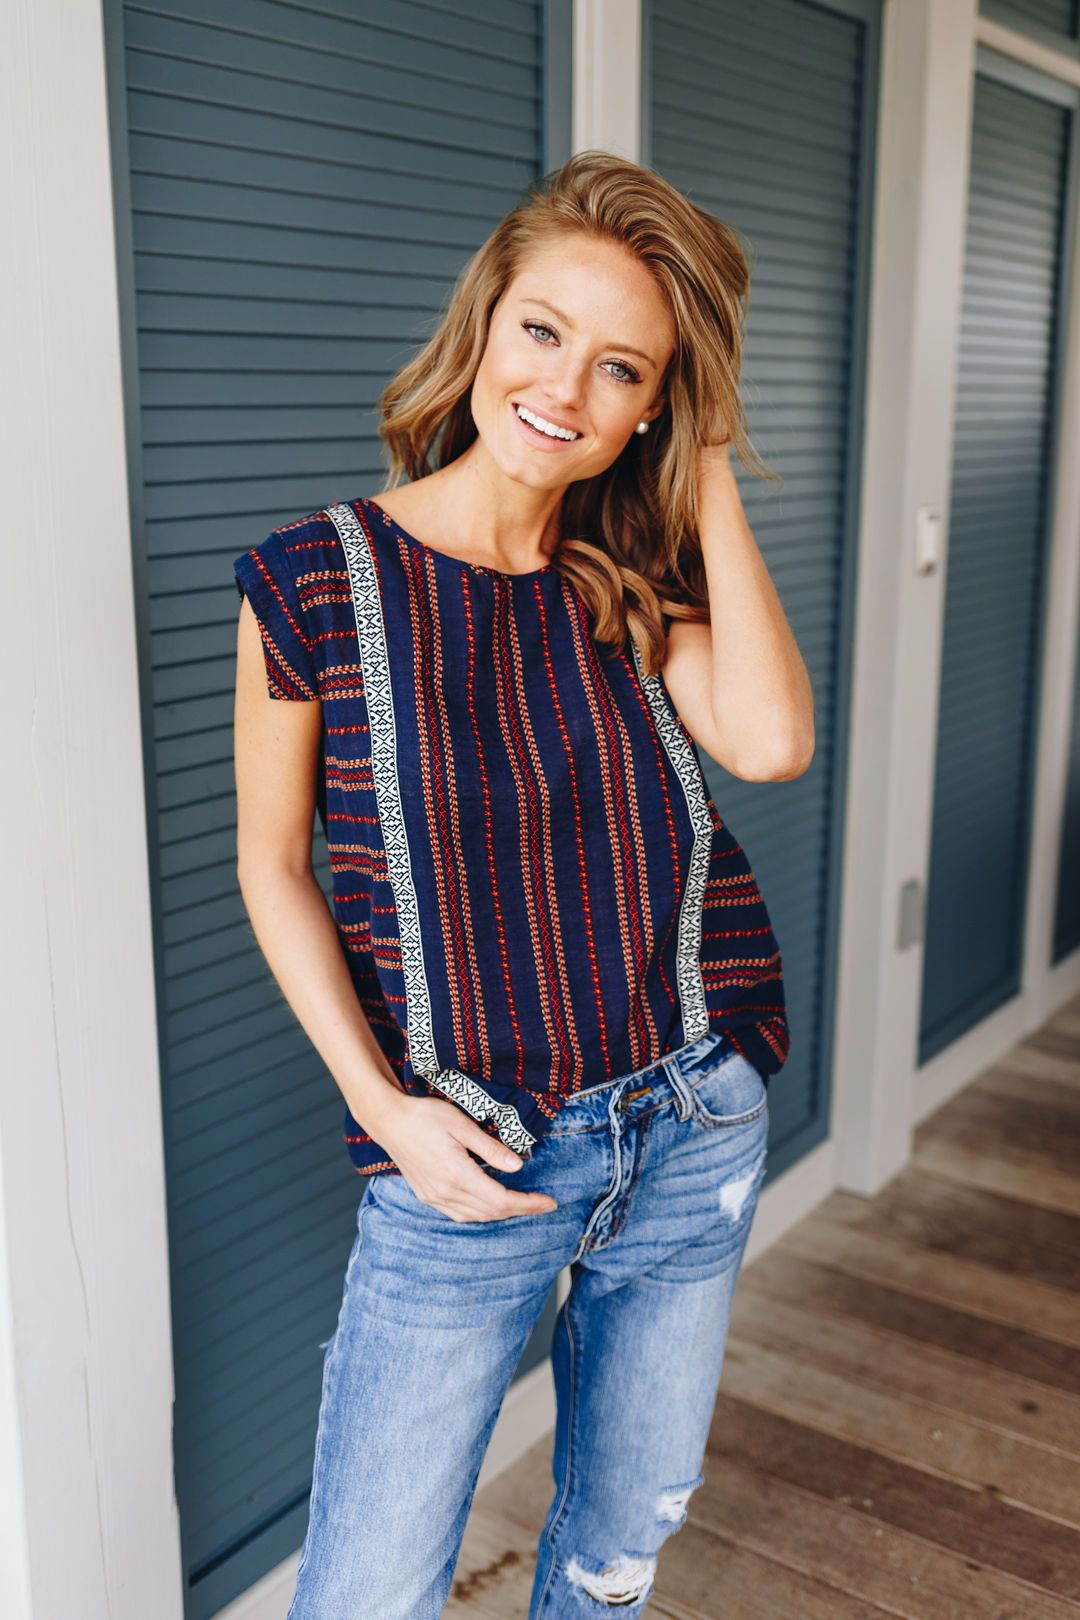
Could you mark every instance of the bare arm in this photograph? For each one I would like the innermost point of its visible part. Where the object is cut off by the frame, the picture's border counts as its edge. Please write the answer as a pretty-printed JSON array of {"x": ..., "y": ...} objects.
[
  {"x": 739, "y": 683},
  {"x": 276, "y": 751}
]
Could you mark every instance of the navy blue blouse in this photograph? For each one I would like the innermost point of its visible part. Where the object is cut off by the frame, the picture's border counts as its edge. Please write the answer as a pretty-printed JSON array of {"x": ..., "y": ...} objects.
[{"x": 531, "y": 883}]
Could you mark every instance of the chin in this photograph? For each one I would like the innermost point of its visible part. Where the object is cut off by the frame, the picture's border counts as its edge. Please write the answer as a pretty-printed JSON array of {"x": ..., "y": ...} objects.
[{"x": 524, "y": 470}]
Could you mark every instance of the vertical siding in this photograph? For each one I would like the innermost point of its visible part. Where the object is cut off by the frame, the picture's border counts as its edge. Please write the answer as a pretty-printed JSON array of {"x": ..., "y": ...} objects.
[
  {"x": 302, "y": 184},
  {"x": 1002, "y": 458},
  {"x": 765, "y": 115}
]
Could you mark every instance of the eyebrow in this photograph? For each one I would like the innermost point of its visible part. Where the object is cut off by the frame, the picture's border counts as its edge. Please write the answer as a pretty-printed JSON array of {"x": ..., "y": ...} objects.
[{"x": 626, "y": 347}]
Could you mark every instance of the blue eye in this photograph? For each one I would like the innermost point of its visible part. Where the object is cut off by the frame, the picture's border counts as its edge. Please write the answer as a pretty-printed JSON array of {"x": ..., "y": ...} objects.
[{"x": 532, "y": 327}]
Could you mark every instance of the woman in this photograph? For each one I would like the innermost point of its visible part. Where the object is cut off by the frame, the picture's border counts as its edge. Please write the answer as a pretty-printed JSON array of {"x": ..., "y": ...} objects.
[{"x": 549, "y": 992}]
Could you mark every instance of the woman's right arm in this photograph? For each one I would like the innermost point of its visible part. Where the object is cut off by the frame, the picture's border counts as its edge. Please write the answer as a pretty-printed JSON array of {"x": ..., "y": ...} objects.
[
  {"x": 276, "y": 754},
  {"x": 276, "y": 748}
]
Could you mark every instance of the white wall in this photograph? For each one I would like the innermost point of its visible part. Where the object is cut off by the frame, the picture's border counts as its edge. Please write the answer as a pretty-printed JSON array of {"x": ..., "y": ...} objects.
[
  {"x": 918, "y": 240},
  {"x": 86, "y": 1502}
]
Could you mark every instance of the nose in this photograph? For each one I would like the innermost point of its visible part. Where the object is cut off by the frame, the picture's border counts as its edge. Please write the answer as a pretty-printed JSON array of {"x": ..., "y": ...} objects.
[{"x": 565, "y": 388}]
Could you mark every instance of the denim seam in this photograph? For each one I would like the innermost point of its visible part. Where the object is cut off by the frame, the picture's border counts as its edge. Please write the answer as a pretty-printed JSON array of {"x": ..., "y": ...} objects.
[
  {"x": 635, "y": 1176},
  {"x": 715, "y": 1122},
  {"x": 571, "y": 1421},
  {"x": 725, "y": 1122},
  {"x": 328, "y": 1371},
  {"x": 611, "y": 1193}
]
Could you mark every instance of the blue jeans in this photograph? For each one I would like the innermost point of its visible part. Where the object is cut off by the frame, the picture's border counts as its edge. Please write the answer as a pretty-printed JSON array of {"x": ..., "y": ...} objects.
[{"x": 656, "y": 1175}]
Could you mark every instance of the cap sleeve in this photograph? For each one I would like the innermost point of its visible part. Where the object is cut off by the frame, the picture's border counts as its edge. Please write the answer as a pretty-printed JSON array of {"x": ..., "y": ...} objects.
[{"x": 264, "y": 574}]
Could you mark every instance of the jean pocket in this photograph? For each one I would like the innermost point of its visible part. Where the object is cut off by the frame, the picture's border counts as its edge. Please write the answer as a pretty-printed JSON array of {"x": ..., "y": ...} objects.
[
  {"x": 733, "y": 1094},
  {"x": 393, "y": 1187}
]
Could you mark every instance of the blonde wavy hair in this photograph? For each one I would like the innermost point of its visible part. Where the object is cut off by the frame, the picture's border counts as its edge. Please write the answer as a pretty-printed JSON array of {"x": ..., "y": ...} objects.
[{"x": 631, "y": 543}]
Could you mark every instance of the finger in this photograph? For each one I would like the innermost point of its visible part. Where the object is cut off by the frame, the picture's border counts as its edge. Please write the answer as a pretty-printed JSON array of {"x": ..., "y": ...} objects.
[
  {"x": 478, "y": 1196},
  {"x": 487, "y": 1147},
  {"x": 499, "y": 1202}
]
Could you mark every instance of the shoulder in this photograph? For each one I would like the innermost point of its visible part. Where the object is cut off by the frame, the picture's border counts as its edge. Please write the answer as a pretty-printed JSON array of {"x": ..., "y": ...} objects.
[
  {"x": 296, "y": 580},
  {"x": 306, "y": 538},
  {"x": 291, "y": 551},
  {"x": 310, "y": 546}
]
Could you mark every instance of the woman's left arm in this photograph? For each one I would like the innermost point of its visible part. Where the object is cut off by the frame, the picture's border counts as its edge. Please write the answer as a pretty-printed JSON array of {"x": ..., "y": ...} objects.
[{"x": 739, "y": 683}]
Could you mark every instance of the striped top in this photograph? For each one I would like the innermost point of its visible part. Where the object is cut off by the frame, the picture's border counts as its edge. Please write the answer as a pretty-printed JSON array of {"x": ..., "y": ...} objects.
[{"x": 531, "y": 884}]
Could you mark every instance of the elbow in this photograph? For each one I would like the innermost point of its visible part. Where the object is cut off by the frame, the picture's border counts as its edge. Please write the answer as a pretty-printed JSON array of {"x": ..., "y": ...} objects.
[
  {"x": 283, "y": 863},
  {"x": 786, "y": 759}
]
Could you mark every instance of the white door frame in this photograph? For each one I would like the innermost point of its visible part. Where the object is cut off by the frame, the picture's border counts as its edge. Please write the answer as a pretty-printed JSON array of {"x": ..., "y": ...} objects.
[
  {"x": 917, "y": 274},
  {"x": 89, "y": 1521}
]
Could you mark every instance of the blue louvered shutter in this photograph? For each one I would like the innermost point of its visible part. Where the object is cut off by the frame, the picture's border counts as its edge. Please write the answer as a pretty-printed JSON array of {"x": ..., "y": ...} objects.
[
  {"x": 994, "y": 588},
  {"x": 1051, "y": 22},
  {"x": 765, "y": 115},
  {"x": 297, "y": 188}
]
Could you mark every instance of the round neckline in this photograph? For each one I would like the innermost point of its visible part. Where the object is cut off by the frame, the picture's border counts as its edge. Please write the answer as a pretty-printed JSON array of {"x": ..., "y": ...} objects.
[{"x": 445, "y": 556}]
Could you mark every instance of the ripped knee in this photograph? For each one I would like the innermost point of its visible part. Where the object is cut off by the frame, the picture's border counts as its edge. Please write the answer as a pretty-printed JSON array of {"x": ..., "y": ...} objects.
[
  {"x": 629, "y": 1577},
  {"x": 673, "y": 1503},
  {"x": 624, "y": 1580}
]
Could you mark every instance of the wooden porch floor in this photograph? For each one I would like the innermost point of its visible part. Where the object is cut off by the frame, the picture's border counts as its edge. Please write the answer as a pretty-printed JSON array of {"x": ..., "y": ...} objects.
[{"x": 898, "y": 1425}]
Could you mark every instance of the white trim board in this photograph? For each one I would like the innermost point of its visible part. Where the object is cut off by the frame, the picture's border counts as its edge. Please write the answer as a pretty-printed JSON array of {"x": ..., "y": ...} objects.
[
  {"x": 83, "y": 1217},
  {"x": 917, "y": 271},
  {"x": 605, "y": 101}
]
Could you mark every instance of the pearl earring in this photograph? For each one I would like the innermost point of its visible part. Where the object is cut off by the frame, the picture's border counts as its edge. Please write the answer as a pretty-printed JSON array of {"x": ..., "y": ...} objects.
[{"x": 642, "y": 427}]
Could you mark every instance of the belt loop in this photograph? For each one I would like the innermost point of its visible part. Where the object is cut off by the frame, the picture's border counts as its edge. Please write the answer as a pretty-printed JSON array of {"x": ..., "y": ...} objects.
[
  {"x": 614, "y": 1107},
  {"x": 683, "y": 1098}
]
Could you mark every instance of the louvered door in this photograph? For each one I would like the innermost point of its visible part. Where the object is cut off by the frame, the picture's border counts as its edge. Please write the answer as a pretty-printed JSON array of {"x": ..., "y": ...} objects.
[
  {"x": 297, "y": 187},
  {"x": 1003, "y": 458},
  {"x": 765, "y": 114}
]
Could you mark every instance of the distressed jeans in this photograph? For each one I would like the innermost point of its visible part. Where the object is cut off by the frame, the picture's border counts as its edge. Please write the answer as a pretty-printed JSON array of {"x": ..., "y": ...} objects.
[{"x": 656, "y": 1175}]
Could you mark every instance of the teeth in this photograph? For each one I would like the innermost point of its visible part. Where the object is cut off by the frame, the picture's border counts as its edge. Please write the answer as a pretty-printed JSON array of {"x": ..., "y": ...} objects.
[{"x": 549, "y": 428}]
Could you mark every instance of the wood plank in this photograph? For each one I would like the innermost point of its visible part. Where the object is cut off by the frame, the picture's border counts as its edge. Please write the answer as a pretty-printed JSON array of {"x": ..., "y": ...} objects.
[
  {"x": 1040, "y": 1065},
  {"x": 947, "y": 1381},
  {"x": 1037, "y": 1092},
  {"x": 839, "y": 1236},
  {"x": 977, "y": 1525},
  {"x": 1067, "y": 1020},
  {"x": 1039, "y": 1133},
  {"x": 1057, "y": 1041},
  {"x": 998, "y": 1168},
  {"x": 713, "y": 1575},
  {"x": 1014, "y": 1131},
  {"x": 1038, "y": 1366},
  {"x": 909, "y": 1430},
  {"x": 1020, "y": 1240},
  {"x": 858, "y": 1551}
]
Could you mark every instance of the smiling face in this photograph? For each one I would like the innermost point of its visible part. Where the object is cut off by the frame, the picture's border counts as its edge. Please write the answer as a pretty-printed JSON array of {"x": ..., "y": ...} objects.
[{"x": 579, "y": 339}]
